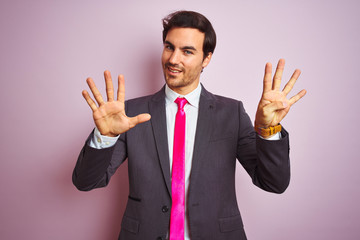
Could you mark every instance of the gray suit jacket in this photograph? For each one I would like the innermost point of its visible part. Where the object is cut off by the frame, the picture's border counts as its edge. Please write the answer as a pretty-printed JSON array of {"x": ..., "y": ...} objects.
[{"x": 224, "y": 133}]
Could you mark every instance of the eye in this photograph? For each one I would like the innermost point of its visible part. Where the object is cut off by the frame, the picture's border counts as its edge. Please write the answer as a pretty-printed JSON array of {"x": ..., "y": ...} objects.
[
  {"x": 187, "y": 52},
  {"x": 169, "y": 47}
]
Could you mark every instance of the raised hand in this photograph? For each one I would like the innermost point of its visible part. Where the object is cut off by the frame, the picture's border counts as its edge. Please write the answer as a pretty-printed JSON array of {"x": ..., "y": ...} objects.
[
  {"x": 110, "y": 117},
  {"x": 274, "y": 105}
]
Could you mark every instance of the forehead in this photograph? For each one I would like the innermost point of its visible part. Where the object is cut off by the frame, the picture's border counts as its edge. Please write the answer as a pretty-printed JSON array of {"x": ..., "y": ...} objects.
[{"x": 186, "y": 37}]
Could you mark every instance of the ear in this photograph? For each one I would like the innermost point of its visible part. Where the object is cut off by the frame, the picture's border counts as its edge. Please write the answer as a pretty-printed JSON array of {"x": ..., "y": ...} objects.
[{"x": 206, "y": 60}]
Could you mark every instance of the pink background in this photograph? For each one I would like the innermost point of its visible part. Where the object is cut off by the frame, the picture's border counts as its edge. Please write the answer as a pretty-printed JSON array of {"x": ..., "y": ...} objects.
[{"x": 48, "y": 49}]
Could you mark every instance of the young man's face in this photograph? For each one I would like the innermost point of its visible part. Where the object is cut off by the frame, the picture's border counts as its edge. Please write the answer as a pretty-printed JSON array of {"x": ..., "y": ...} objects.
[{"x": 183, "y": 59}]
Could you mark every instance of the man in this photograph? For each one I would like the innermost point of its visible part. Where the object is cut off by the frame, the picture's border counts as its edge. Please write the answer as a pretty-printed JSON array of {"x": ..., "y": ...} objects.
[{"x": 198, "y": 201}]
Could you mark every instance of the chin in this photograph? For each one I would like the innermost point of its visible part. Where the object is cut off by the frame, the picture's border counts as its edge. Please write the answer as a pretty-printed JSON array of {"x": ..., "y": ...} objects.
[{"x": 173, "y": 82}]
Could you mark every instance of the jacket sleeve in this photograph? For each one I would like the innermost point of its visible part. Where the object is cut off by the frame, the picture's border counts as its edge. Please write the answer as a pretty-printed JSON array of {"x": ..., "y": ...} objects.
[
  {"x": 95, "y": 167},
  {"x": 267, "y": 162}
]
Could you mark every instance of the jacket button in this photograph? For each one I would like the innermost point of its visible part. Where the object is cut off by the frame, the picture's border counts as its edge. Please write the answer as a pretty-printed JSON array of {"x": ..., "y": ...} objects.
[{"x": 165, "y": 209}]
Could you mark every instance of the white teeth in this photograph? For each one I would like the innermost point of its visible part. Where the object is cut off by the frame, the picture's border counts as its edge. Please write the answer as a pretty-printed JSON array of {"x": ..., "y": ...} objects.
[{"x": 174, "y": 71}]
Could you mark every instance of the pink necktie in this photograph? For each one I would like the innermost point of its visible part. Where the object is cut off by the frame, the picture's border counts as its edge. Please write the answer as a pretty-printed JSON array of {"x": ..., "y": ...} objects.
[{"x": 177, "y": 217}]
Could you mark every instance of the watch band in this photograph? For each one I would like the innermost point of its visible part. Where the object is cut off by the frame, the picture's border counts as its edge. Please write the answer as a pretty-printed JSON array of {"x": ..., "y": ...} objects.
[{"x": 267, "y": 132}]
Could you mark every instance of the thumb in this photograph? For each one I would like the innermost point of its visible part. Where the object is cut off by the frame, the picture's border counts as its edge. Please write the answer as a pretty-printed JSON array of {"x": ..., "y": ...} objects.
[
  {"x": 139, "y": 119},
  {"x": 275, "y": 106}
]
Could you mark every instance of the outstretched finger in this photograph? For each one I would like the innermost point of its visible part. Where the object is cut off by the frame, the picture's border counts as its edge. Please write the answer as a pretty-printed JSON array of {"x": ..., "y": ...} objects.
[
  {"x": 267, "y": 78},
  {"x": 109, "y": 86},
  {"x": 121, "y": 89},
  {"x": 88, "y": 99},
  {"x": 297, "y": 97},
  {"x": 278, "y": 74},
  {"x": 139, "y": 119},
  {"x": 289, "y": 85},
  {"x": 95, "y": 91}
]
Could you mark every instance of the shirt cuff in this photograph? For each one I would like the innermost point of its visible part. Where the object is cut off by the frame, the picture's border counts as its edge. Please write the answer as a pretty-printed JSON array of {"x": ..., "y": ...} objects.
[
  {"x": 99, "y": 141},
  {"x": 276, "y": 136}
]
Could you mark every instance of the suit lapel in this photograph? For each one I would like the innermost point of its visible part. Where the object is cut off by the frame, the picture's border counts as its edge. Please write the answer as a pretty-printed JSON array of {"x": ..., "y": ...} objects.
[
  {"x": 203, "y": 132},
  {"x": 158, "y": 122}
]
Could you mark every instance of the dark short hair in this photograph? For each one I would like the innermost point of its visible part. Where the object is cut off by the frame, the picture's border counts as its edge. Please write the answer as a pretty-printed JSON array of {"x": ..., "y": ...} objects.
[{"x": 190, "y": 19}]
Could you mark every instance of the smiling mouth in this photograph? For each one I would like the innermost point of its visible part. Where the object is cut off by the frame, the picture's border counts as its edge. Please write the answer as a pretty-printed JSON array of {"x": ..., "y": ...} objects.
[{"x": 172, "y": 69}]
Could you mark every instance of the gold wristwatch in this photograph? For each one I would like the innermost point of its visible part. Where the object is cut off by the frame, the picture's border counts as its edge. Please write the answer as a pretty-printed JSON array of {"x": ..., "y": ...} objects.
[{"x": 267, "y": 132}]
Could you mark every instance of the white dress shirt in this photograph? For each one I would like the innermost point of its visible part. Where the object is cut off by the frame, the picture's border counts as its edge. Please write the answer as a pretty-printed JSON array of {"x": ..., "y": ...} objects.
[{"x": 191, "y": 111}]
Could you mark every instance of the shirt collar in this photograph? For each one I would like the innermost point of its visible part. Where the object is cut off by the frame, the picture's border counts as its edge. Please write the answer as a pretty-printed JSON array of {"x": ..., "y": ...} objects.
[{"x": 193, "y": 97}]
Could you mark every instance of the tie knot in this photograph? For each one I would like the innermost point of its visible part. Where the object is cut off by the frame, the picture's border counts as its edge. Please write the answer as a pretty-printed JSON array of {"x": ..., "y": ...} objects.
[{"x": 181, "y": 102}]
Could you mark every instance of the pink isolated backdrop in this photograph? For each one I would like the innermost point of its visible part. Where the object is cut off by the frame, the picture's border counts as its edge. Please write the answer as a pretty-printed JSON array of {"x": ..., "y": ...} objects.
[{"x": 49, "y": 48}]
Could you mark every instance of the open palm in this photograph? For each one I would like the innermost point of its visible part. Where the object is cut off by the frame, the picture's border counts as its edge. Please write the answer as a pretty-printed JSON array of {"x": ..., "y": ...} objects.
[
  {"x": 274, "y": 104},
  {"x": 110, "y": 117}
]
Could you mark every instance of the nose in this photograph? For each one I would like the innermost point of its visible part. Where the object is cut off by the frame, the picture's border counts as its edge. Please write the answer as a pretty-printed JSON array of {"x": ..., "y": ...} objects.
[{"x": 175, "y": 57}]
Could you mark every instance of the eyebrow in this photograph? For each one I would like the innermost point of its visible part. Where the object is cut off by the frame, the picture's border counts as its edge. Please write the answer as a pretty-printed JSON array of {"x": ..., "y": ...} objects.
[{"x": 182, "y": 48}]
